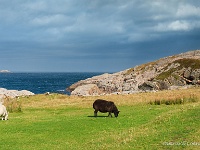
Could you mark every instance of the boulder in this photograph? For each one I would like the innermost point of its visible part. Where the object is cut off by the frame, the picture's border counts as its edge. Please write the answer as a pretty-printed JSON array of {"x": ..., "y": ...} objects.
[
  {"x": 86, "y": 90},
  {"x": 187, "y": 73},
  {"x": 13, "y": 93}
]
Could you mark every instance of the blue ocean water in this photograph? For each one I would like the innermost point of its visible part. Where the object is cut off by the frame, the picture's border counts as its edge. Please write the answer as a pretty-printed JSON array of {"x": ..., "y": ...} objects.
[{"x": 39, "y": 83}]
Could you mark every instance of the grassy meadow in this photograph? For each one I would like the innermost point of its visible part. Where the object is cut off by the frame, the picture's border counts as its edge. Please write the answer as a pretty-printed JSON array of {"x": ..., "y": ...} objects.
[{"x": 160, "y": 120}]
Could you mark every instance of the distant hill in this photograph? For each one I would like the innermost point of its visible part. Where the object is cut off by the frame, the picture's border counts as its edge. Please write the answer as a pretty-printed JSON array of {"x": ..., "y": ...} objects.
[
  {"x": 4, "y": 71},
  {"x": 178, "y": 71}
]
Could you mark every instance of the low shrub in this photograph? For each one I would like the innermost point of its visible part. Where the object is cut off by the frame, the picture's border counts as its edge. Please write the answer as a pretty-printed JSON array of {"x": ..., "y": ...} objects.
[{"x": 175, "y": 101}]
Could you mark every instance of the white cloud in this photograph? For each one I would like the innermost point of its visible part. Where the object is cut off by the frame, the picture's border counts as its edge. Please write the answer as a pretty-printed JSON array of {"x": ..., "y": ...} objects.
[
  {"x": 188, "y": 10},
  {"x": 177, "y": 25}
]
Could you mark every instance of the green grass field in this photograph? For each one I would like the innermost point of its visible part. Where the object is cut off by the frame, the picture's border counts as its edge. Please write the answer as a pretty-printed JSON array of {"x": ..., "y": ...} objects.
[{"x": 69, "y": 125}]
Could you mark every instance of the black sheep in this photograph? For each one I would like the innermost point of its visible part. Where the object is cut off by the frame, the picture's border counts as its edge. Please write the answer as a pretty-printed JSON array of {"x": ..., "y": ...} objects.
[{"x": 105, "y": 106}]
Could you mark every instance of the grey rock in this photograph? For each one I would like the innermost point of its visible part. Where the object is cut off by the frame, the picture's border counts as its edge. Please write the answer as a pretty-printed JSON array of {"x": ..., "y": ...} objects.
[
  {"x": 86, "y": 90},
  {"x": 13, "y": 93}
]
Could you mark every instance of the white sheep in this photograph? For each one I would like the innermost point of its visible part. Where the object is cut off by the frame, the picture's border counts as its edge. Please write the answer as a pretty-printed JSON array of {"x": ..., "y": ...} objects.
[{"x": 3, "y": 112}]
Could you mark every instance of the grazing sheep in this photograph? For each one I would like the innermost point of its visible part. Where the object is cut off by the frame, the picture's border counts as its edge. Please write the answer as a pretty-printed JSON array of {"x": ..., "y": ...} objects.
[
  {"x": 105, "y": 106},
  {"x": 3, "y": 112}
]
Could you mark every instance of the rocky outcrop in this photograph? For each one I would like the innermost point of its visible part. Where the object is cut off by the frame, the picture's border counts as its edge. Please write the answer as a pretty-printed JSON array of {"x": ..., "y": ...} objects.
[
  {"x": 13, "y": 93},
  {"x": 166, "y": 73},
  {"x": 87, "y": 90}
]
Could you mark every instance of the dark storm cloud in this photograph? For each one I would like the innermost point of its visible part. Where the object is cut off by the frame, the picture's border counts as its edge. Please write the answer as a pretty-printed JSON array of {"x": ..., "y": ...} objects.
[{"x": 94, "y": 35}]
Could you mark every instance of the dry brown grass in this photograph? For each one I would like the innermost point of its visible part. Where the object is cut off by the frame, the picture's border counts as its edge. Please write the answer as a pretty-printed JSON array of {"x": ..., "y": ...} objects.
[
  {"x": 13, "y": 105},
  {"x": 57, "y": 100},
  {"x": 133, "y": 99}
]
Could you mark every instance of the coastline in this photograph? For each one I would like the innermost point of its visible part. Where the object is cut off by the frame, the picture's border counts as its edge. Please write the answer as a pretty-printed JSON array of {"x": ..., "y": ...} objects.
[{"x": 43, "y": 82}]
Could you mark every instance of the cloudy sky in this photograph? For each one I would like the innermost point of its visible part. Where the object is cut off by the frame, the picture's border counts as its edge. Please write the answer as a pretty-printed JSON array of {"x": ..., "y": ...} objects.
[{"x": 94, "y": 35}]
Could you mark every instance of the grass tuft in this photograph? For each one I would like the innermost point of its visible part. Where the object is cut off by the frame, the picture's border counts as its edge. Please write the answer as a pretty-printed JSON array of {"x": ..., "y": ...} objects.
[{"x": 182, "y": 100}]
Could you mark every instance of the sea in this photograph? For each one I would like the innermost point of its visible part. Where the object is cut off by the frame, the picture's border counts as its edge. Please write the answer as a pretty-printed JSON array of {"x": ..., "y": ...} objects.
[{"x": 40, "y": 83}]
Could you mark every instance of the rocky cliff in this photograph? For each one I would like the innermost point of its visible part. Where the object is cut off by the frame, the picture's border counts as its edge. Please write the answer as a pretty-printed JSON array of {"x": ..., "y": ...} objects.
[{"x": 166, "y": 73}]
